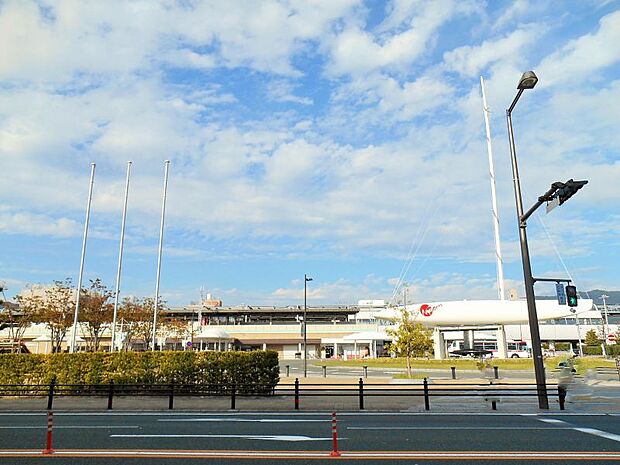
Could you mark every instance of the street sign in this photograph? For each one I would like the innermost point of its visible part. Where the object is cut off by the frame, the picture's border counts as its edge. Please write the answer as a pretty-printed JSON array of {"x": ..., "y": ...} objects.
[
  {"x": 559, "y": 290},
  {"x": 612, "y": 338},
  {"x": 554, "y": 202}
]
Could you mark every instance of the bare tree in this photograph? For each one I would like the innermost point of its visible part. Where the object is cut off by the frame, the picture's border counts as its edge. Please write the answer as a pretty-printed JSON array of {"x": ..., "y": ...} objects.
[
  {"x": 54, "y": 309},
  {"x": 17, "y": 317},
  {"x": 137, "y": 319},
  {"x": 175, "y": 328}
]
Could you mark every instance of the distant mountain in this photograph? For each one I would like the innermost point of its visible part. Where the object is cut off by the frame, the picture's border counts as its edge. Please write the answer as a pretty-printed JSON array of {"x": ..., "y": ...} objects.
[
  {"x": 595, "y": 295},
  {"x": 614, "y": 296}
]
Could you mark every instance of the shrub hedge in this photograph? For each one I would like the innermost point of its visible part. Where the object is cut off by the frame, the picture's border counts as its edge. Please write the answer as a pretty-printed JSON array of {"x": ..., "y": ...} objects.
[
  {"x": 240, "y": 368},
  {"x": 593, "y": 350}
]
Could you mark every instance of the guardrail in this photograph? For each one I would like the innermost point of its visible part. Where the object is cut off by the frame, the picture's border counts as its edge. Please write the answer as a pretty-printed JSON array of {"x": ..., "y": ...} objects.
[
  {"x": 492, "y": 392},
  {"x": 609, "y": 371}
]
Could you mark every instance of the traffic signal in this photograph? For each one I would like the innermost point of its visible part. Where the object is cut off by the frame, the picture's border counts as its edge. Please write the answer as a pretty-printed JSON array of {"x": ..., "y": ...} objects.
[
  {"x": 571, "y": 296},
  {"x": 570, "y": 188}
]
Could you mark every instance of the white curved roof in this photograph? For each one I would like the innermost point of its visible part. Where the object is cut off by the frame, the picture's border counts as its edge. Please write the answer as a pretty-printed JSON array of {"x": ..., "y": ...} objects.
[{"x": 213, "y": 333}]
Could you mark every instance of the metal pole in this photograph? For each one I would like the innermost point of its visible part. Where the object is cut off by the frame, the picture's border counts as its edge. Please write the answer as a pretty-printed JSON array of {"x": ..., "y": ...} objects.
[
  {"x": 161, "y": 243},
  {"x": 606, "y": 326},
  {"x": 498, "y": 249},
  {"x": 79, "y": 284},
  {"x": 579, "y": 335},
  {"x": 539, "y": 369},
  {"x": 120, "y": 258},
  {"x": 305, "y": 326}
]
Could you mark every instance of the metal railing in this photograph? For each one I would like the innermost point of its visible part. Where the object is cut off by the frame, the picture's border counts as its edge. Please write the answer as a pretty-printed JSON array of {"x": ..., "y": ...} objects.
[{"x": 492, "y": 392}]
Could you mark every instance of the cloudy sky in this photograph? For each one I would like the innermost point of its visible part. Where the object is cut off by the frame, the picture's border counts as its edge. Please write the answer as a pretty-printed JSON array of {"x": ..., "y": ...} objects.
[{"x": 339, "y": 138}]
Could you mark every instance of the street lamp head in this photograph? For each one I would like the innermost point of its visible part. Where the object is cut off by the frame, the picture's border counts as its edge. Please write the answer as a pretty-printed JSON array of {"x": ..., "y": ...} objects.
[
  {"x": 528, "y": 80},
  {"x": 308, "y": 278}
]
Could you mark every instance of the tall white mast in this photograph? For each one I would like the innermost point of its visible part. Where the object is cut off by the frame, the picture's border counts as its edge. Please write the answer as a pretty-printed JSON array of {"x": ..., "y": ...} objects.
[
  {"x": 120, "y": 258},
  {"x": 498, "y": 249},
  {"x": 161, "y": 243},
  {"x": 85, "y": 237}
]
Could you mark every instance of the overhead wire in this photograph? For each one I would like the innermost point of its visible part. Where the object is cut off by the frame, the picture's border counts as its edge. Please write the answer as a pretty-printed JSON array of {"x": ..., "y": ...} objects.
[{"x": 419, "y": 240}]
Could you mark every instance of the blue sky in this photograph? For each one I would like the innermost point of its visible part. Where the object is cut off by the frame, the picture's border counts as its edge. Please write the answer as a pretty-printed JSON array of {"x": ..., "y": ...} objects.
[{"x": 342, "y": 139}]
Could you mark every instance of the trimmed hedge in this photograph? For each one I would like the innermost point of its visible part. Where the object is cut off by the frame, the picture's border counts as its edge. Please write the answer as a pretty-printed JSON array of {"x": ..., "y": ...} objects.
[
  {"x": 258, "y": 368},
  {"x": 593, "y": 350}
]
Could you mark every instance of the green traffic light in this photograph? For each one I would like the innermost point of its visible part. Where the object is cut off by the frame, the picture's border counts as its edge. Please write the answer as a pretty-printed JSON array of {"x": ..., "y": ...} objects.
[{"x": 571, "y": 295}]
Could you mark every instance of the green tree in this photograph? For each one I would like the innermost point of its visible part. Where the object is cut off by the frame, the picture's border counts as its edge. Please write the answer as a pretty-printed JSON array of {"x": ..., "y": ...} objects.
[
  {"x": 411, "y": 339},
  {"x": 592, "y": 339}
]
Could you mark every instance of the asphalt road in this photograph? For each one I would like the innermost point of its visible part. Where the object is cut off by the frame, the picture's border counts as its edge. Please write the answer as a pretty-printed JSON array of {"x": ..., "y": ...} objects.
[{"x": 147, "y": 437}]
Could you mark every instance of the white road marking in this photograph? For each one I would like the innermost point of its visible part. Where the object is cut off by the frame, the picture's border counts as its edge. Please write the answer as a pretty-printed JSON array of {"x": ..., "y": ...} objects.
[
  {"x": 262, "y": 437},
  {"x": 598, "y": 432},
  {"x": 250, "y": 420},
  {"x": 301, "y": 414},
  {"x": 552, "y": 420},
  {"x": 455, "y": 428},
  {"x": 593, "y": 431},
  {"x": 71, "y": 427},
  {"x": 275, "y": 454}
]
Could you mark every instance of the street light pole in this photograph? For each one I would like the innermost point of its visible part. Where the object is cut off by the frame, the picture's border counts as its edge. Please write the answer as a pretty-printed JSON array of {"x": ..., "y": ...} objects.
[
  {"x": 528, "y": 81},
  {"x": 306, "y": 279}
]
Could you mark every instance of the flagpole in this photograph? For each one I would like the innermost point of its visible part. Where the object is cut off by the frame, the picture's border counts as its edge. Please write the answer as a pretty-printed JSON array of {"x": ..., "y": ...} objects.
[
  {"x": 79, "y": 284},
  {"x": 161, "y": 242},
  {"x": 498, "y": 249},
  {"x": 120, "y": 258}
]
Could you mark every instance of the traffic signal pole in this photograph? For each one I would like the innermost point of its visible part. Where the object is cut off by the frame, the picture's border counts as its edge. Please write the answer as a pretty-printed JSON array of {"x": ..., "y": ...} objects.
[{"x": 539, "y": 368}]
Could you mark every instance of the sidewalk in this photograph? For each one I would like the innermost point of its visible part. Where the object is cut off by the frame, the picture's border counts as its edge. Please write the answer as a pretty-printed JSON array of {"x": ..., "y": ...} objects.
[{"x": 582, "y": 398}]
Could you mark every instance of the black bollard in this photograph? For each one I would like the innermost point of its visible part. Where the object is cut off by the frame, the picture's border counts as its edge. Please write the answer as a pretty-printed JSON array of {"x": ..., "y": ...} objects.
[
  {"x": 361, "y": 393},
  {"x": 426, "y": 397},
  {"x": 562, "y": 396},
  {"x": 50, "y": 394},
  {"x": 496, "y": 372},
  {"x": 296, "y": 393},
  {"x": 171, "y": 397},
  {"x": 453, "y": 369},
  {"x": 110, "y": 394}
]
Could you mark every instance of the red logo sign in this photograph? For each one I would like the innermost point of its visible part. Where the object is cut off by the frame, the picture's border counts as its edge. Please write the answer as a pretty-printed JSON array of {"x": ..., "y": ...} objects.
[{"x": 427, "y": 310}]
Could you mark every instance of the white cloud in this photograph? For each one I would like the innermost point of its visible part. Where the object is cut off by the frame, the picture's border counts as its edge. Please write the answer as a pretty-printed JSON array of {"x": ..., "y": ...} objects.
[
  {"x": 386, "y": 139},
  {"x": 283, "y": 91},
  {"x": 413, "y": 98},
  {"x": 581, "y": 58},
  {"x": 356, "y": 51},
  {"x": 339, "y": 292},
  {"x": 38, "y": 225},
  {"x": 70, "y": 38},
  {"x": 471, "y": 60}
]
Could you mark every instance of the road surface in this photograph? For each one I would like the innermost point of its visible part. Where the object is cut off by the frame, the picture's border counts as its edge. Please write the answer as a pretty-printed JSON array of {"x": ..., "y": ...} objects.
[{"x": 182, "y": 438}]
